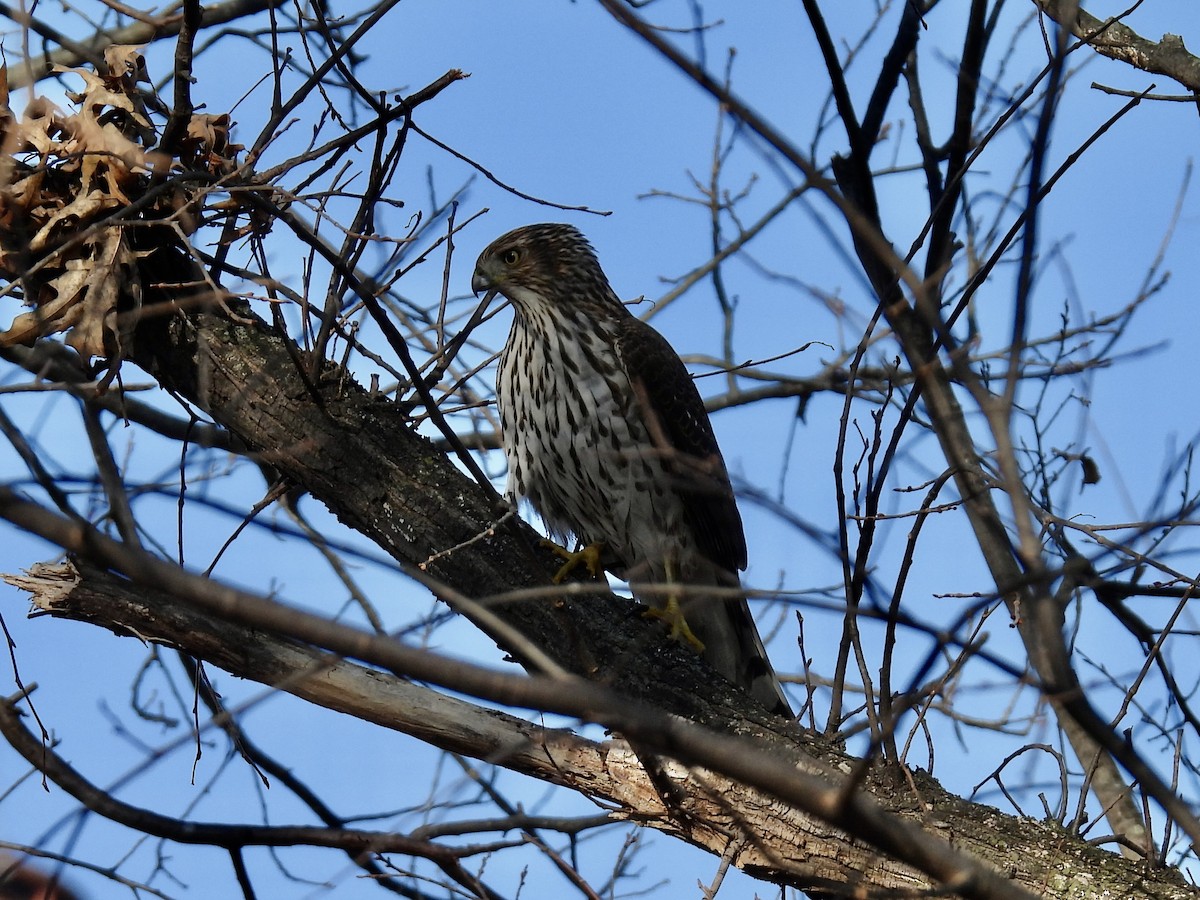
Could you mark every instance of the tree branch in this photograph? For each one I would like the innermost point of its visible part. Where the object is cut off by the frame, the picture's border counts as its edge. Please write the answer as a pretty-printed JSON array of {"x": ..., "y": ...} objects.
[
  {"x": 91, "y": 50},
  {"x": 1115, "y": 40},
  {"x": 788, "y": 845}
]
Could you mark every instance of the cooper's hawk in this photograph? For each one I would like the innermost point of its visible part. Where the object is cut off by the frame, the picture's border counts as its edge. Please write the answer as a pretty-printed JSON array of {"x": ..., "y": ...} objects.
[{"x": 607, "y": 437}]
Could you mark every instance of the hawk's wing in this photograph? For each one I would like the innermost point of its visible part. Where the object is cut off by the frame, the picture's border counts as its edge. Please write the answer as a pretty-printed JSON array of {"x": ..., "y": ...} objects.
[{"x": 676, "y": 418}]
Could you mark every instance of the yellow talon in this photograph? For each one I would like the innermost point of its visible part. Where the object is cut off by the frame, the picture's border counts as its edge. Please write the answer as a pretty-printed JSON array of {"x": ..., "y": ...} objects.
[
  {"x": 672, "y": 614},
  {"x": 589, "y": 556}
]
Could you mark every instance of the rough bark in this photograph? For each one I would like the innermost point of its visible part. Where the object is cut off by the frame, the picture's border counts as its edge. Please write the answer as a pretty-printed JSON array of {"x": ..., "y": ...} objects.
[
  {"x": 767, "y": 837},
  {"x": 1118, "y": 41}
]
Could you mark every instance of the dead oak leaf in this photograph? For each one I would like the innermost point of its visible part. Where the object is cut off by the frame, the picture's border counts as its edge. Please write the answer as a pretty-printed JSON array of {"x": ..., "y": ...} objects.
[
  {"x": 83, "y": 299},
  {"x": 82, "y": 209},
  {"x": 96, "y": 330}
]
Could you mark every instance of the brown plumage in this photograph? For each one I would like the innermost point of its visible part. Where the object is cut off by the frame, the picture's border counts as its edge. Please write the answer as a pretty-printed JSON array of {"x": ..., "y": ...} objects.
[{"x": 608, "y": 438}]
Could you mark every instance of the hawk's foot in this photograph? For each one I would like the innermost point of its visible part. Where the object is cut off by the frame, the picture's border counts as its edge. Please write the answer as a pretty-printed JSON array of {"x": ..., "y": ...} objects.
[
  {"x": 589, "y": 556},
  {"x": 672, "y": 614}
]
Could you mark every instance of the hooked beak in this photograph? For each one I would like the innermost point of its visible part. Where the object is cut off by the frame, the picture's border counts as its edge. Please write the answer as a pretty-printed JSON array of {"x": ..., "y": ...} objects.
[
  {"x": 482, "y": 280},
  {"x": 479, "y": 283}
]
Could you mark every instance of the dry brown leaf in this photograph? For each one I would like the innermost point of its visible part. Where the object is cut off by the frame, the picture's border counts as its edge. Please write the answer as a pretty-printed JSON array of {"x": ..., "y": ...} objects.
[
  {"x": 28, "y": 327},
  {"x": 7, "y": 119},
  {"x": 104, "y": 151},
  {"x": 110, "y": 102},
  {"x": 110, "y": 277},
  {"x": 88, "y": 165},
  {"x": 206, "y": 143},
  {"x": 62, "y": 173},
  {"x": 40, "y": 127},
  {"x": 210, "y": 131},
  {"x": 83, "y": 299},
  {"x": 79, "y": 211},
  {"x": 126, "y": 61},
  {"x": 96, "y": 92},
  {"x": 16, "y": 197}
]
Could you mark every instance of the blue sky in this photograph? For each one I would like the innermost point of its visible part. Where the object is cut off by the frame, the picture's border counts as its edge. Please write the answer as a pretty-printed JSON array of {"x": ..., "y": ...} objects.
[{"x": 565, "y": 105}]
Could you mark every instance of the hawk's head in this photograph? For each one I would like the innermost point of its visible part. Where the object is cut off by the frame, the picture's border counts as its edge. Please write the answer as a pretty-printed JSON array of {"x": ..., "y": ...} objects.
[{"x": 538, "y": 264}]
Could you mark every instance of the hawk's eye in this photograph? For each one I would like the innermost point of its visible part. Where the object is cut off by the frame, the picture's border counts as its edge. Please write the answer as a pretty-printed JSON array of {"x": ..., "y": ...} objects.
[{"x": 511, "y": 256}]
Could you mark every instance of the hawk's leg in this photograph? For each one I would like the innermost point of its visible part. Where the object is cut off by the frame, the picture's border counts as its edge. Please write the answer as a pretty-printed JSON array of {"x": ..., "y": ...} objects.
[
  {"x": 589, "y": 556},
  {"x": 672, "y": 613}
]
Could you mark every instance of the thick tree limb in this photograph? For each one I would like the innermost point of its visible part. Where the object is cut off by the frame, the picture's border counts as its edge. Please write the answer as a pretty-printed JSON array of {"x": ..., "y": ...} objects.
[
  {"x": 708, "y": 809},
  {"x": 1118, "y": 41},
  {"x": 91, "y": 50}
]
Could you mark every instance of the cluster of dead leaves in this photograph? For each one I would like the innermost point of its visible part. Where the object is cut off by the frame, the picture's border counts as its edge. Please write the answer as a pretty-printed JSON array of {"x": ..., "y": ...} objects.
[{"x": 68, "y": 180}]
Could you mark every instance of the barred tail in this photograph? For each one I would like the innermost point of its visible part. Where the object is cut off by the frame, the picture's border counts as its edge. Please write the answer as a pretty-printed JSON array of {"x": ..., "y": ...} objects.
[{"x": 734, "y": 648}]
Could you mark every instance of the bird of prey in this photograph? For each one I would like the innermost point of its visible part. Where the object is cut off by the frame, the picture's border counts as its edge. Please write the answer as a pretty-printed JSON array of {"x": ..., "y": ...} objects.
[{"x": 608, "y": 439}]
